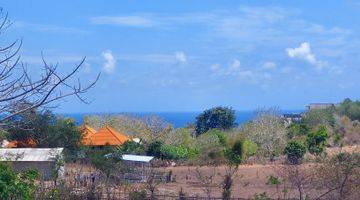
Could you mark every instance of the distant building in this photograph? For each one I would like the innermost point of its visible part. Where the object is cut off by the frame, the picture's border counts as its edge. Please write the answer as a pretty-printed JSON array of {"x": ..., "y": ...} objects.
[
  {"x": 292, "y": 118},
  {"x": 106, "y": 136},
  {"x": 42, "y": 159},
  {"x": 314, "y": 106}
]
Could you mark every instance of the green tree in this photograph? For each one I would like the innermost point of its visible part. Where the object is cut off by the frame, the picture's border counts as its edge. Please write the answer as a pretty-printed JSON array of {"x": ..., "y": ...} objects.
[
  {"x": 350, "y": 109},
  {"x": 17, "y": 185},
  {"x": 295, "y": 151},
  {"x": 314, "y": 118},
  {"x": 46, "y": 130},
  {"x": 235, "y": 155},
  {"x": 154, "y": 149},
  {"x": 222, "y": 118},
  {"x": 317, "y": 140},
  {"x": 297, "y": 129},
  {"x": 131, "y": 147}
]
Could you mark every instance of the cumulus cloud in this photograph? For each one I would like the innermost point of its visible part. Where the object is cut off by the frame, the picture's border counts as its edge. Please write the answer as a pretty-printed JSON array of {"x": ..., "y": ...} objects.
[
  {"x": 303, "y": 52},
  {"x": 180, "y": 57},
  {"x": 269, "y": 65},
  {"x": 234, "y": 69},
  {"x": 110, "y": 61}
]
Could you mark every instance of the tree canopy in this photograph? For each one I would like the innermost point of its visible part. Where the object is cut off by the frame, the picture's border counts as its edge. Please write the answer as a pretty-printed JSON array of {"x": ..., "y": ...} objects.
[
  {"x": 222, "y": 118},
  {"x": 45, "y": 130}
]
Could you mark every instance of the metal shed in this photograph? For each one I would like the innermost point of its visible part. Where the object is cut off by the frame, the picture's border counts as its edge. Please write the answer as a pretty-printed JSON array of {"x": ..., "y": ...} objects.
[
  {"x": 42, "y": 159},
  {"x": 139, "y": 167}
]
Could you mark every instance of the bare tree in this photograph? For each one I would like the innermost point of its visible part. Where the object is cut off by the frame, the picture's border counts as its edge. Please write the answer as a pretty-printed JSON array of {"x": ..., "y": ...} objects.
[
  {"x": 339, "y": 176},
  {"x": 206, "y": 179},
  {"x": 298, "y": 176},
  {"x": 21, "y": 92},
  {"x": 152, "y": 183},
  {"x": 267, "y": 131}
]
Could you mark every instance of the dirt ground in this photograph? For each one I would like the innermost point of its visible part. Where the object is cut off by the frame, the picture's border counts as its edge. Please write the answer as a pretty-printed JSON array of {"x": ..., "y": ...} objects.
[{"x": 249, "y": 179}]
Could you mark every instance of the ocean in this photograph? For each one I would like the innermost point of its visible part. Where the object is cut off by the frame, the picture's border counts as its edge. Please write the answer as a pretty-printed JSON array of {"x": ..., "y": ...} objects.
[{"x": 177, "y": 119}]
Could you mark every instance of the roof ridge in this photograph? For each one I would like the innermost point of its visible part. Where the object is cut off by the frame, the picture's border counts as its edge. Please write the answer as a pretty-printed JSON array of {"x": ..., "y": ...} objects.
[{"x": 112, "y": 132}]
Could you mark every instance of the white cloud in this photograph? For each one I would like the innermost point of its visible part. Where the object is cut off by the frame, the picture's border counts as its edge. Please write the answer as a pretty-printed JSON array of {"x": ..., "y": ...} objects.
[
  {"x": 110, "y": 61},
  {"x": 50, "y": 28},
  {"x": 235, "y": 65},
  {"x": 87, "y": 68},
  {"x": 269, "y": 65},
  {"x": 180, "y": 57},
  {"x": 303, "y": 52},
  {"x": 135, "y": 21},
  {"x": 215, "y": 67}
]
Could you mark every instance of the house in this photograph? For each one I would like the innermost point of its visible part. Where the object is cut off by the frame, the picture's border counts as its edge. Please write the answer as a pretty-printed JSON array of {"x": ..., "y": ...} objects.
[
  {"x": 30, "y": 143},
  {"x": 87, "y": 132},
  {"x": 45, "y": 160},
  {"x": 292, "y": 118},
  {"x": 139, "y": 167},
  {"x": 106, "y": 136},
  {"x": 314, "y": 106}
]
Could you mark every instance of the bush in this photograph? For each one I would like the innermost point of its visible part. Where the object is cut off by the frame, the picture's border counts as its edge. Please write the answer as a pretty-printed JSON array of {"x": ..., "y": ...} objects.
[
  {"x": 165, "y": 151},
  {"x": 250, "y": 148},
  {"x": 236, "y": 153},
  {"x": 17, "y": 185},
  {"x": 138, "y": 195},
  {"x": 222, "y": 118},
  {"x": 175, "y": 153},
  {"x": 314, "y": 118},
  {"x": 131, "y": 147},
  {"x": 294, "y": 130},
  {"x": 295, "y": 151},
  {"x": 317, "y": 140},
  {"x": 154, "y": 149},
  {"x": 350, "y": 109}
]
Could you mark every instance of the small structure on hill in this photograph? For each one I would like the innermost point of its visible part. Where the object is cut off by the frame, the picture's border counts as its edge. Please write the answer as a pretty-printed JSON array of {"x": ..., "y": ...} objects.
[
  {"x": 314, "y": 106},
  {"x": 139, "y": 167},
  {"x": 292, "y": 118},
  {"x": 106, "y": 136},
  {"x": 45, "y": 160}
]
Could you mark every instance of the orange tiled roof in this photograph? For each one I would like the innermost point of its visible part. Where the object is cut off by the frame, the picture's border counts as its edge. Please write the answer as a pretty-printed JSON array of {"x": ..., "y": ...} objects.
[
  {"x": 106, "y": 136},
  {"x": 87, "y": 132},
  {"x": 21, "y": 144}
]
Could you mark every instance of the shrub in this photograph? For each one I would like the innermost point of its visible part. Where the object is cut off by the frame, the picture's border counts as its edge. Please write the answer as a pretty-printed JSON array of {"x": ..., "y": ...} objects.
[
  {"x": 175, "y": 153},
  {"x": 131, "y": 147},
  {"x": 297, "y": 130},
  {"x": 236, "y": 153},
  {"x": 295, "y": 151},
  {"x": 317, "y": 141},
  {"x": 250, "y": 148},
  {"x": 137, "y": 195},
  {"x": 17, "y": 185},
  {"x": 154, "y": 149}
]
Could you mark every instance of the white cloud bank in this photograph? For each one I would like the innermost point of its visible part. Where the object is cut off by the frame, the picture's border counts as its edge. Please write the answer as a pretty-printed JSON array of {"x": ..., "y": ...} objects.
[
  {"x": 303, "y": 52},
  {"x": 110, "y": 61}
]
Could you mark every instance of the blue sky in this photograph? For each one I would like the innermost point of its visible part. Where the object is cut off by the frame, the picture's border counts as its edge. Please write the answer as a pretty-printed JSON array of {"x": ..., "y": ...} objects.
[{"x": 192, "y": 55}]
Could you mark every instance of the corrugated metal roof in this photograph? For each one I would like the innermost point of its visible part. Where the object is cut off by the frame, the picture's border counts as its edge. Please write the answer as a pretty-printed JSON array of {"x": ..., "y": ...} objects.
[
  {"x": 137, "y": 158},
  {"x": 30, "y": 154}
]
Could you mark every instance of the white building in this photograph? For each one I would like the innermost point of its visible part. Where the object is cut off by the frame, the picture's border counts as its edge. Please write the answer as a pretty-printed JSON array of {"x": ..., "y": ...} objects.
[{"x": 45, "y": 160}]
